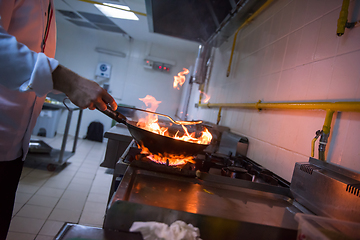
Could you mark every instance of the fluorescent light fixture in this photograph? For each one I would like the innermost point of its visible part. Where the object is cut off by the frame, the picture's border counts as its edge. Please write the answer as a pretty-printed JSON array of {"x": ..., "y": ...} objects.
[{"x": 114, "y": 11}]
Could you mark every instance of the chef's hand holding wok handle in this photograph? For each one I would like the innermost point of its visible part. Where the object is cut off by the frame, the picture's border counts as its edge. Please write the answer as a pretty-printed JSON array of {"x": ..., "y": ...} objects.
[
  {"x": 81, "y": 91},
  {"x": 114, "y": 115}
]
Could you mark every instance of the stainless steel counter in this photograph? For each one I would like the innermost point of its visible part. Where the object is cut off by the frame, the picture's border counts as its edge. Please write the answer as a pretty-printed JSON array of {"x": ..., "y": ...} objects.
[
  {"x": 119, "y": 139},
  {"x": 216, "y": 208}
]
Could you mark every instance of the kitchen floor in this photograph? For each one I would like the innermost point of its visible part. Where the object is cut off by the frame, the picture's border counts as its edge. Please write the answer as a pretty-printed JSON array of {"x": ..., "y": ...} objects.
[{"x": 76, "y": 192}]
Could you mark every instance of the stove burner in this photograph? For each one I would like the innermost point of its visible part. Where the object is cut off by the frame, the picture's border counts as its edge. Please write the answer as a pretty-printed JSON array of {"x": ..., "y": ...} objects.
[
  {"x": 238, "y": 167},
  {"x": 236, "y": 172}
]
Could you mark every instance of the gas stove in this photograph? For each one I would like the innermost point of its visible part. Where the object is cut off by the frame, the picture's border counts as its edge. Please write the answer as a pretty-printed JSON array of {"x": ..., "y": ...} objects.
[
  {"x": 237, "y": 167},
  {"x": 224, "y": 193}
]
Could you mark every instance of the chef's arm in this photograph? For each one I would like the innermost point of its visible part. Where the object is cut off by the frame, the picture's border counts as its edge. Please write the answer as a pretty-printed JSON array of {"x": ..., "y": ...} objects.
[{"x": 81, "y": 91}]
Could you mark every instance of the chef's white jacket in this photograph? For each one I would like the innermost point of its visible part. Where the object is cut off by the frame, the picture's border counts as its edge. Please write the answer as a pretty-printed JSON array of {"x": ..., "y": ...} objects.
[{"x": 25, "y": 72}]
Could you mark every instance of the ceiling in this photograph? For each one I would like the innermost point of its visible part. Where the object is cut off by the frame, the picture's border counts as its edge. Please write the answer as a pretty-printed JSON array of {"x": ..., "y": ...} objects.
[{"x": 86, "y": 15}]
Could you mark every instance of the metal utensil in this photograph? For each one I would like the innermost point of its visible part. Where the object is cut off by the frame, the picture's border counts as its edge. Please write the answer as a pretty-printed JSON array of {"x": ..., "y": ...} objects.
[
  {"x": 164, "y": 115},
  {"x": 156, "y": 143}
]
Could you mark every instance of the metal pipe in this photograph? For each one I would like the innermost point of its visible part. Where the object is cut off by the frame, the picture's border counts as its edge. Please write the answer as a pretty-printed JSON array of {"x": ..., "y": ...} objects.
[
  {"x": 328, "y": 119},
  {"x": 318, "y": 133},
  {"x": 219, "y": 116},
  {"x": 329, "y": 107},
  {"x": 334, "y": 106},
  {"x": 341, "y": 24},
  {"x": 325, "y": 134},
  {"x": 237, "y": 31}
]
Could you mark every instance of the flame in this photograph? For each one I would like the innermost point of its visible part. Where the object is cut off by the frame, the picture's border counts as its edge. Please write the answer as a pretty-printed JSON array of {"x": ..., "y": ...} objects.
[
  {"x": 207, "y": 97},
  {"x": 150, "y": 123},
  {"x": 170, "y": 159},
  {"x": 180, "y": 78}
]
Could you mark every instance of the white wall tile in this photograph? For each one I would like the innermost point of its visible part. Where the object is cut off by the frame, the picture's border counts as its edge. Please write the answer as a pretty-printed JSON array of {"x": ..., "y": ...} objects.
[
  {"x": 328, "y": 41},
  {"x": 285, "y": 83},
  {"x": 300, "y": 83},
  {"x": 317, "y": 66},
  {"x": 268, "y": 57},
  {"x": 275, "y": 23},
  {"x": 298, "y": 19},
  {"x": 308, "y": 42},
  {"x": 320, "y": 76},
  {"x": 279, "y": 51},
  {"x": 314, "y": 10},
  {"x": 310, "y": 122},
  {"x": 346, "y": 76},
  {"x": 292, "y": 48},
  {"x": 286, "y": 18},
  {"x": 270, "y": 86},
  {"x": 335, "y": 148},
  {"x": 266, "y": 34}
]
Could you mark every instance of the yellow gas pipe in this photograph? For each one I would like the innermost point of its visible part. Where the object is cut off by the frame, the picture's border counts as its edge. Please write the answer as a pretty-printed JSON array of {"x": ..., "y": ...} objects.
[
  {"x": 219, "y": 116},
  {"x": 243, "y": 25},
  {"x": 342, "y": 18},
  {"x": 329, "y": 107}
]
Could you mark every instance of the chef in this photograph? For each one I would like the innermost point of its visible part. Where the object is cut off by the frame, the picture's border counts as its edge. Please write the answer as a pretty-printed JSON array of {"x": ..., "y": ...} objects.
[{"x": 28, "y": 71}]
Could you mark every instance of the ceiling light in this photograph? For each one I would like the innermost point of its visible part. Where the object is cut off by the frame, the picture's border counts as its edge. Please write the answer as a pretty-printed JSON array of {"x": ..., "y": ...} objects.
[{"x": 114, "y": 11}]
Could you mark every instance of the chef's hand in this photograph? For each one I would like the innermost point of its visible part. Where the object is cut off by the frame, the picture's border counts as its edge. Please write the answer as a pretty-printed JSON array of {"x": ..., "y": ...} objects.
[{"x": 81, "y": 91}]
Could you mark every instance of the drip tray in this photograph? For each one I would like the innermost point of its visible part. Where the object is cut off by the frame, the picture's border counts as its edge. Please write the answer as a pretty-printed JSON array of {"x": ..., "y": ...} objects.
[{"x": 39, "y": 146}]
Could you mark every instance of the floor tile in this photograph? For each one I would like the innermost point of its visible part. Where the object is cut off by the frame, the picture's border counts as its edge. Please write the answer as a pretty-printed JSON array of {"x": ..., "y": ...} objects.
[
  {"x": 71, "y": 204},
  {"x": 26, "y": 225},
  {"x": 100, "y": 198},
  {"x": 80, "y": 187},
  {"x": 22, "y": 197},
  {"x": 95, "y": 207},
  {"x": 56, "y": 184},
  {"x": 25, "y": 188},
  {"x": 17, "y": 207},
  {"x": 73, "y": 194},
  {"x": 32, "y": 211},
  {"x": 77, "y": 180},
  {"x": 20, "y": 236},
  {"x": 49, "y": 191},
  {"x": 100, "y": 189},
  {"x": 34, "y": 181},
  {"x": 44, "y": 201},
  {"x": 91, "y": 218},
  {"x": 51, "y": 228},
  {"x": 85, "y": 175},
  {"x": 65, "y": 215},
  {"x": 43, "y": 237},
  {"x": 37, "y": 173}
]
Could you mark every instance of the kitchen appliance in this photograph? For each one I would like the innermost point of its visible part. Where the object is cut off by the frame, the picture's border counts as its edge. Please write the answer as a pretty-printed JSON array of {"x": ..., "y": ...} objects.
[
  {"x": 210, "y": 22},
  {"x": 157, "y": 143},
  {"x": 228, "y": 195}
]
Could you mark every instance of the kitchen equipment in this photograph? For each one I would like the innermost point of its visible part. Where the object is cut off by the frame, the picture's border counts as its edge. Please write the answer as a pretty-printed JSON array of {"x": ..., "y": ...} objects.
[
  {"x": 71, "y": 231},
  {"x": 164, "y": 115},
  {"x": 154, "y": 142},
  {"x": 218, "y": 205},
  {"x": 327, "y": 189},
  {"x": 262, "y": 206},
  {"x": 39, "y": 146},
  {"x": 322, "y": 228}
]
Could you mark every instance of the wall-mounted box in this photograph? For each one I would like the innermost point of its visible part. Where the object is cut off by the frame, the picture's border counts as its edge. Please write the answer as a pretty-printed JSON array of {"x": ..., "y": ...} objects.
[{"x": 158, "y": 64}]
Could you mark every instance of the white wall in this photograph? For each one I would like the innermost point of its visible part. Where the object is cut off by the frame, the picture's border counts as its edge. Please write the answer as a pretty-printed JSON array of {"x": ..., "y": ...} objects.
[
  {"x": 291, "y": 53},
  {"x": 129, "y": 79}
]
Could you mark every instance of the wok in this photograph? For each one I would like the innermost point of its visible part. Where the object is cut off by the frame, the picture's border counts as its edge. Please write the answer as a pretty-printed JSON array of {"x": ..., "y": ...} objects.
[{"x": 156, "y": 143}]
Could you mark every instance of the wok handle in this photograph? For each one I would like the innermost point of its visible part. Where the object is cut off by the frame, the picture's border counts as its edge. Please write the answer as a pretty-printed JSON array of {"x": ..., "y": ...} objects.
[{"x": 114, "y": 115}]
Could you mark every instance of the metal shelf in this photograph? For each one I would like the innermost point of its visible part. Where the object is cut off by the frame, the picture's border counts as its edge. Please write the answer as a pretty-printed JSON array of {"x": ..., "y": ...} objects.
[{"x": 58, "y": 157}]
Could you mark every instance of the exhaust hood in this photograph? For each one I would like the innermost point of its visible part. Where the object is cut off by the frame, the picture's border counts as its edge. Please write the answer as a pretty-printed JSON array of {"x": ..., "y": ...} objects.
[{"x": 208, "y": 22}]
